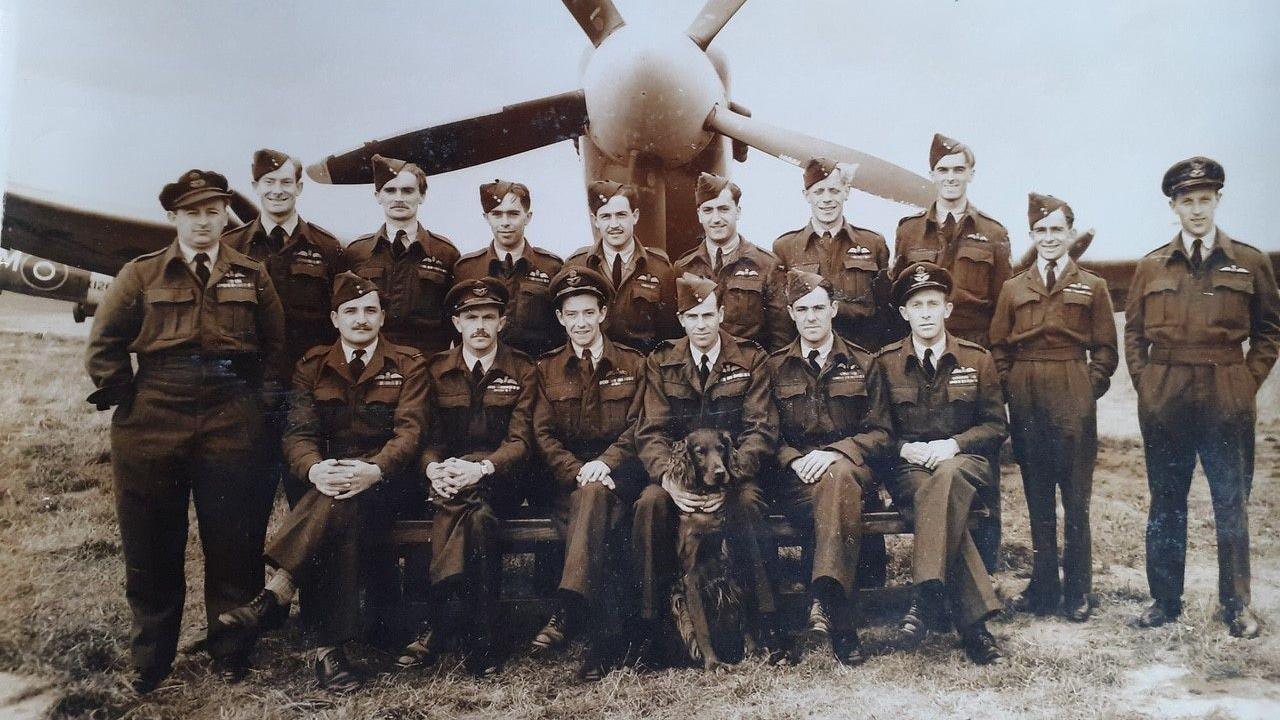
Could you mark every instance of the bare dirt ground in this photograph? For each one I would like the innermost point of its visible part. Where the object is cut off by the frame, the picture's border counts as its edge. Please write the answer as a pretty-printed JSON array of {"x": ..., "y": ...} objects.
[{"x": 64, "y": 622}]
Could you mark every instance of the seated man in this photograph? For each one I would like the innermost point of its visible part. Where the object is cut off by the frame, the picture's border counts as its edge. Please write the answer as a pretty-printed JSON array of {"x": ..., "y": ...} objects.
[
  {"x": 708, "y": 379},
  {"x": 589, "y": 399},
  {"x": 355, "y": 422},
  {"x": 480, "y": 413},
  {"x": 834, "y": 416},
  {"x": 948, "y": 418}
]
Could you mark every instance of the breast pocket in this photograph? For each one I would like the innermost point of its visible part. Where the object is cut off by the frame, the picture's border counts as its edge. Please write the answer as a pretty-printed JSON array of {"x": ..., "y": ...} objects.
[
  {"x": 973, "y": 269},
  {"x": 566, "y": 401},
  {"x": 904, "y": 405},
  {"x": 1232, "y": 296},
  {"x": 794, "y": 405},
  {"x": 377, "y": 274},
  {"x": 915, "y": 255},
  {"x": 306, "y": 290},
  {"x": 615, "y": 402},
  {"x": 744, "y": 302},
  {"x": 855, "y": 281},
  {"x": 848, "y": 403},
  {"x": 432, "y": 284},
  {"x": 332, "y": 410},
  {"x": 237, "y": 311},
  {"x": 1160, "y": 302},
  {"x": 171, "y": 313},
  {"x": 533, "y": 303},
  {"x": 1028, "y": 312},
  {"x": 1077, "y": 311}
]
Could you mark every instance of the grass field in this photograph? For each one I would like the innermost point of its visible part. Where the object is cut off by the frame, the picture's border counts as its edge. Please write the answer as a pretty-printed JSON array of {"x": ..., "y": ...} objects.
[{"x": 64, "y": 622}]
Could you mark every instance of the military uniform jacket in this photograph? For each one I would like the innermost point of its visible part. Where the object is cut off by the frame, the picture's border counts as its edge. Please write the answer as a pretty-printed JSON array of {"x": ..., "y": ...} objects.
[
  {"x": 755, "y": 305},
  {"x": 736, "y": 400},
  {"x": 575, "y": 423},
  {"x": 978, "y": 260},
  {"x": 643, "y": 311},
  {"x": 964, "y": 401},
  {"x": 1033, "y": 323},
  {"x": 1231, "y": 300},
  {"x": 302, "y": 272},
  {"x": 854, "y": 260},
  {"x": 492, "y": 421},
  {"x": 412, "y": 288},
  {"x": 844, "y": 408},
  {"x": 378, "y": 417},
  {"x": 156, "y": 307},
  {"x": 531, "y": 325}
]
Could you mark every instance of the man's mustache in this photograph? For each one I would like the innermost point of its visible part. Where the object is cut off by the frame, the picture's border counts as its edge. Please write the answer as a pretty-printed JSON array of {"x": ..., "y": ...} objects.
[{"x": 480, "y": 333}]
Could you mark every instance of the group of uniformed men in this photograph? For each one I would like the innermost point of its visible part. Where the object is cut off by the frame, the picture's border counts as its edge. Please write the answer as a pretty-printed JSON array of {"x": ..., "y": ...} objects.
[{"x": 832, "y": 371}]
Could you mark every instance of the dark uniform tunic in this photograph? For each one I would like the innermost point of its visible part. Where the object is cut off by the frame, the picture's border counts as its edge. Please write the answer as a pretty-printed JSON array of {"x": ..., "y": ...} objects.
[
  {"x": 1055, "y": 352},
  {"x": 531, "y": 325},
  {"x": 755, "y": 306},
  {"x": 843, "y": 408},
  {"x": 1183, "y": 333},
  {"x": 854, "y": 260},
  {"x": 378, "y": 417},
  {"x": 412, "y": 285},
  {"x": 736, "y": 400},
  {"x": 576, "y": 420},
  {"x": 963, "y": 401},
  {"x": 492, "y": 420},
  {"x": 187, "y": 424},
  {"x": 643, "y": 311}
]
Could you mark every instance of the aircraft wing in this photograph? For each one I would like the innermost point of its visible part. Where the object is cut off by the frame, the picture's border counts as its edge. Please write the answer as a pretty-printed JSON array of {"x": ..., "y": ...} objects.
[{"x": 81, "y": 238}]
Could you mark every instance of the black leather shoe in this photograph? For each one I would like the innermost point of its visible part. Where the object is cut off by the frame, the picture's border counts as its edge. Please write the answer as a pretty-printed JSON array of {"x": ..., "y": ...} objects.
[
  {"x": 980, "y": 645},
  {"x": 600, "y": 659},
  {"x": 554, "y": 635},
  {"x": 145, "y": 680},
  {"x": 1159, "y": 613},
  {"x": 847, "y": 648},
  {"x": 819, "y": 619},
  {"x": 1033, "y": 602},
  {"x": 231, "y": 671},
  {"x": 483, "y": 662},
  {"x": 1076, "y": 609},
  {"x": 912, "y": 627},
  {"x": 1243, "y": 623},
  {"x": 275, "y": 618},
  {"x": 775, "y": 643},
  {"x": 421, "y": 652},
  {"x": 335, "y": 673},
  {"x": 642, "y": 651},
  {"x": 252, "y": 615}
]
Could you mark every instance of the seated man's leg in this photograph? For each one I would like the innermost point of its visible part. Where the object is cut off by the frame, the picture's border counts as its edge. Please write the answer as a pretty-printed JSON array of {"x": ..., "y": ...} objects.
[
  {"x": 756, "y": 555},
  {"x": 653, "y": 544},
  {"x": 937, "y": 503}
]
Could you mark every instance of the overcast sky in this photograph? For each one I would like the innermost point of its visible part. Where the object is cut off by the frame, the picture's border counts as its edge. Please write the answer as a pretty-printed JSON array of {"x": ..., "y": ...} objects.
[{"x": 103, "y": 103}]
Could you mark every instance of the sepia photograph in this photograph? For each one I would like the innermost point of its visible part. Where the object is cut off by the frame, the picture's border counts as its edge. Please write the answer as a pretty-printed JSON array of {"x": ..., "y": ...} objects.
[{"x": 665, "y": 359}]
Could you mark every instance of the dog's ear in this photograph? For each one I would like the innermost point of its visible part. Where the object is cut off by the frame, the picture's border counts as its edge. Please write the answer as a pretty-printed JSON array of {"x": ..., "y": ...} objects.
[
  {"x": 679, "y": 469},
  {"x": 727, "y": 439}
]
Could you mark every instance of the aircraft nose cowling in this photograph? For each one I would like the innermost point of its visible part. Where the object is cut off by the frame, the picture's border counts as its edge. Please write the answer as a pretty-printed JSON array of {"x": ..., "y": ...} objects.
[{"x": 650, "y": 96}]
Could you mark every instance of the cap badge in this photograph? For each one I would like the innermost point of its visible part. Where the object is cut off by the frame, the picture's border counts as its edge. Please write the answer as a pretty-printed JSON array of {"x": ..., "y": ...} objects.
[
  {"x": 574, "y": 279},
  {"x": 479, "y": 290},
  {"x": 921, "y": 275},
  {"x": 197, "y": 183},
  {"x": 1197, "y": 169}
]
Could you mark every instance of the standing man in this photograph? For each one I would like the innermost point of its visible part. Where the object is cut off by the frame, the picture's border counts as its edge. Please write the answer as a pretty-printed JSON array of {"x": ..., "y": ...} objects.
[
  {"x": 480, "y": 410},
  {"x": 525, "y": 269},
  {"x": 749, "y": 277},
  {"x": 206, "y": 326},
  {"x": 1053, "y": 339},
  {"x": 1191, "y": 305},
  {"x": 974, "y": 249},
  {"x": 412, "y": 266},
  {"x": 708, "y": 379},
  {"x": 834, "y": 417},
  {"x": 643, "y": 283},
  {"x": 590, "y": 394},
  {"x": 854, "y": 259},
  {"x": 356, "y": 419},
  {"x": 948, "y": 419}
]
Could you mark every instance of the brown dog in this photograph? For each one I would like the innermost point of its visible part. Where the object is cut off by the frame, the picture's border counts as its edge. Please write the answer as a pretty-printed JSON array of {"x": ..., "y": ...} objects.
[{"x": 707, "y": 602}]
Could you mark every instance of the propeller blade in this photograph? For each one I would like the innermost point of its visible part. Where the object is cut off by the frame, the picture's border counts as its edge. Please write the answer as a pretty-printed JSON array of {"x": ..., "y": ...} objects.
[
  {"x": 597, "y": 18},
  {"x": 714, "y": 16},
  {"x": 244, "y": 209},
  {"x": 464, "y": 143},
  {"x": 873, "y": 175}
]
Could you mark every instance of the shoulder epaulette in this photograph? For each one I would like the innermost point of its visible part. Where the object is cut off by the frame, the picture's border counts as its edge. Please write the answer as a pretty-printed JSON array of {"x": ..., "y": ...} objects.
[
  {"x": 154, "y": 253},
  {"x": 545, "y": 252},
  {"x": 659, "y": 252},
  {"x": 474, "y": 254},
  {"x": 983, "y": 214},
  {"x": 236, "y": 229},
  {"x": 362, "y": 238},
  {"x": 667, "y": 344},
  {"x": 969, "y": 344},
  {"x": 580, "y": 251},
  {"x": 866, "y": 230},
  {"x": 321, "y": 231},
  {"x": 316, "y": 351},
  {"x": 913, "y": 217},
  {"x": 1247, "y": 246},
  {"x": 891, "y": 347},
  {"x": 789, "y": 233},
  {"x": 551, "y": 353},
  {"x": 780, "y": 351}
]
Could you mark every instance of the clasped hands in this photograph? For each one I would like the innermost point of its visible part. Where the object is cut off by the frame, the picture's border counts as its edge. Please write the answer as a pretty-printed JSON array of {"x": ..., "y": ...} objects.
[
  {"x": 930, "y": 454},
  {"x": 344, "y": 478},
  {"x": 449, "y": 477}
]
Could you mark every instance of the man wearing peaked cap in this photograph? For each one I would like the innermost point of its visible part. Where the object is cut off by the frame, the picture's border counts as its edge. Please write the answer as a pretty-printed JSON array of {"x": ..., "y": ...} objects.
[
  {"x": 356, "y": 419},
  {"x": 1192, "y": 304},
  {"x": 523, "y": 267},
  {"x": 749, "y": 277},
  {"x": 643, "y": 310},
  {"x": 206, "y": 326},
  {"x": 480, "y": 437},
  {"x": 708, "y": 379},
  {"x": 1053, "y": 339},
  {"x": 947, "y": 410},
  {"x": 590, "y": 394},
  {"x": 833, "y": 421},
  {"x": 412, "y": 266},
  {"x": 854, "y": 259}
]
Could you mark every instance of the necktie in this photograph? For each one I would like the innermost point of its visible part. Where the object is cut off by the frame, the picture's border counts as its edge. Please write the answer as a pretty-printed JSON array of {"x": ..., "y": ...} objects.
[
  {"x": 949, "y": 228},
  {"x": 477, "y": 373},
  {"x": 202, "y": 268},
  {"x": 276, "y": 240},
  {"x": 356, "y": 363},
  {"x": 398, "y": 247},
  {"x": 813, "y": 361},
  {"x": 1051, "y": 275},
  {"x": 617, "y": 271},
  {"x": 1197, "y": 254},
  {"x": 704, "y": 372},
  {"x": 590, "y": 389},
  {"x": 929, "y": 367},
  {"x": 824, "y": 242},
  {"x": 588, "y": 368},
  {"x": 508, "y": 266},
  {"x": 719, "y": 260}
]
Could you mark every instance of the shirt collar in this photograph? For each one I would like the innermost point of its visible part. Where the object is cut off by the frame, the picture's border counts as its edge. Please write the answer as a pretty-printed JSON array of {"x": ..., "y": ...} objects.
[
  {"x": 516, "y": 254},
  {"x": 189, "y": 255},
  {"x": 597, "y": 349},
  {"x": 349, "y": 350},
  {"x": 940, "y": 216},
  {"x": 730, "y": 248},
  {"x": 627, "y": 254},
  {"x": 823, "y": 350},
  {"x": 1208, "y": 241},
  {"x": 486, "y": 362},
  {"x": 938, "y": 349},
  {"x": 712, "y": 355},
  {"x": 818, "y": 230},
  {"x": 1063, "y": 264},
  {"x": 411, "y": 231},
  {"x": 290, "y": 225}
]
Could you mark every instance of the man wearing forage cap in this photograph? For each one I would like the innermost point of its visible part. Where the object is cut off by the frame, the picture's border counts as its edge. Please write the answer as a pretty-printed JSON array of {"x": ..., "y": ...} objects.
[
  {"x": 523, "y": 267},
  {"x": 854, "y": 259},
  {"x": 356, "y": 418},
  {"x": 1053, "y": 339},
  {"x": 412, "y": 266},
  {"x": 1194, "y": 301},
  {"x": 749, "y": 277}
]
